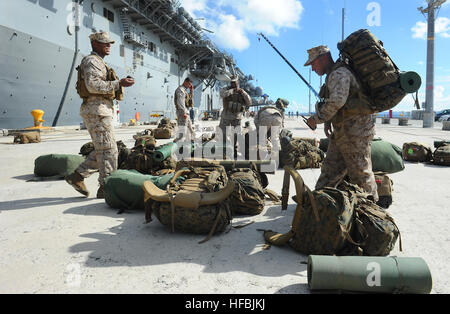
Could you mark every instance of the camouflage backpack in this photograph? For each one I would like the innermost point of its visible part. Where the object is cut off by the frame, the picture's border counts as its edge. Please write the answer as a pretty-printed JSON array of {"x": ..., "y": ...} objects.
[
  {"x": 339, "y": 221},
  {"x": 199, "y": 204},
  {"x": 441, "y": 155},
  {"x": 378, "y": 75},
  {"x": 416, "y": 151},
  {"x": 300, "y": 154},
  {"x": 87, "y": 148},
  {"x": 141, "y": 158},
  {"x": 322, "y": 222},
  {"x": 248, "y": 195},
  {"x": 375, "y": 229}
]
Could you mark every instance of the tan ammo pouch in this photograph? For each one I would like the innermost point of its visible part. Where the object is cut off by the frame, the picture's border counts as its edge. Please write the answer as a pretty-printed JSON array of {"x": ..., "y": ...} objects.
[
  {"x": 189, "y": 101},
  {"x": 110, "y": 76},
  {"x": 384, "y": 184}
]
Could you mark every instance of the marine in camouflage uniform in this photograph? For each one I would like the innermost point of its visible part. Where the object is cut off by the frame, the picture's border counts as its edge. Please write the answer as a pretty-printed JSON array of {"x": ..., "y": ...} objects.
[
  {"x": 183, "y": 102},
  {"x": 235, "y": 100},
  {"x": 97, "y": 111},
  {"x": 272, "y": 118},
  {"x": 349, "y": 151}
]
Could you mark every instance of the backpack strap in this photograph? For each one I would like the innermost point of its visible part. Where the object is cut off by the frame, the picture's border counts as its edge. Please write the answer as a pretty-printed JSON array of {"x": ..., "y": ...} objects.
[{"x": 280, "y": 239}]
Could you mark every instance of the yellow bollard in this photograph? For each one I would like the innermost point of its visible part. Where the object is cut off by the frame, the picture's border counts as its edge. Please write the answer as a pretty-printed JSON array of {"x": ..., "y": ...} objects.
[{"x": 37, "y": 115}]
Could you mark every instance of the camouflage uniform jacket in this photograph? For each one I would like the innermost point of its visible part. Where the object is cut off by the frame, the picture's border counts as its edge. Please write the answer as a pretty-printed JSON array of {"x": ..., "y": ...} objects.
[
  {"x": 230, "y": 97},
  {"x": 181, "y": 94},
  {"x": 94, "y": 72},
  {"x": 340, "y": 87}
]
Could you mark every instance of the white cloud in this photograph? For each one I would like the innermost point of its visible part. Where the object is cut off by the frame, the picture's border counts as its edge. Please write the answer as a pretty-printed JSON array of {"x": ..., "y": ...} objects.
[
  {"x": 441, "y": 27},
  {"x": 420, "y": 30},
  {"x": 233, "y": 20},
  {"x": 231, "y": 34}
]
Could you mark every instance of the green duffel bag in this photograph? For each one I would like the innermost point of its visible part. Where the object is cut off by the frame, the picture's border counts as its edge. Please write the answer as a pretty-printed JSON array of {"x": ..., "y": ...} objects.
[
  {"x": 386, "y": 157},
  {"x": 441, "y": 156},
  {"x": 56, "y": 166},
  {"x": 415, "y": 151},
  {"x": 123, "y": 188}
]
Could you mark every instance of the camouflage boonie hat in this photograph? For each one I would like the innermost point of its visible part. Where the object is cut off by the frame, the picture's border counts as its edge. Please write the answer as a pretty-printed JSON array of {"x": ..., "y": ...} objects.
[
  {"x": 316, "y": 52},
  {"x": 101, "y": 37}
]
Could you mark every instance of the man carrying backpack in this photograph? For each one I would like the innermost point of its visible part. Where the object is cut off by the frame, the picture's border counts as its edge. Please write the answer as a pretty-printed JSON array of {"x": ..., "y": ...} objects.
[{"x": 349, "y": 151}]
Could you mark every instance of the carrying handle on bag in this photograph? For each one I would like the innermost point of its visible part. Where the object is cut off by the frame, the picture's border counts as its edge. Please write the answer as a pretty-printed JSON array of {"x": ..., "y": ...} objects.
[{"x": 279, "y": 238}]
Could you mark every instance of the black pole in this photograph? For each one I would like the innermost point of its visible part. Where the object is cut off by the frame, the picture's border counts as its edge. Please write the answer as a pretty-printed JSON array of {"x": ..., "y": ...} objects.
[
  {"x": 292, "y": 67},
  {"x": 63, "y": 98}
]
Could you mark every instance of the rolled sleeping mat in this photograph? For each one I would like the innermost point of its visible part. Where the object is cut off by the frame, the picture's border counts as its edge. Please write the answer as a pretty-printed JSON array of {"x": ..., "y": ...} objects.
[
  {"x": 164, "y": 152},
  {"x": 410, "y": 81},
  {"x": 369, "y": 274}
]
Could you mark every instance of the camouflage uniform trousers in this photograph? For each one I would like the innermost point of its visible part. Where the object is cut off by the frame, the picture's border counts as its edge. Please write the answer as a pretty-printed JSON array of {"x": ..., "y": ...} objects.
[
  {"x": 350, "y": 156},
  {"x": 236, "y": 124},
  {"x": 273, "y": 123},
  {"x": 104, "y": 158},
  {"x": 184, "y": 127}
]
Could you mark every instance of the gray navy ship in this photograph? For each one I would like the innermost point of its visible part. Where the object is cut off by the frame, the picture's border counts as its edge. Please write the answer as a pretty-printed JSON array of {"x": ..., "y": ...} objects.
[{"x": 156, "y": 42}]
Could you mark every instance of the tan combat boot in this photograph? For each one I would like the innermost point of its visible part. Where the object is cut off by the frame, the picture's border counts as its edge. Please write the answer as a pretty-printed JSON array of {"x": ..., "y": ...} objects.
[
  {"x": 100, "y": 193},
  {"x": 77, "y": 181}
]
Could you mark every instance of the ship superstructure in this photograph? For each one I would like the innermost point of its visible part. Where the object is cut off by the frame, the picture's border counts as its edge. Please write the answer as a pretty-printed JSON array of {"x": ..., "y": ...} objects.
[{"x": 156, "y": 41}]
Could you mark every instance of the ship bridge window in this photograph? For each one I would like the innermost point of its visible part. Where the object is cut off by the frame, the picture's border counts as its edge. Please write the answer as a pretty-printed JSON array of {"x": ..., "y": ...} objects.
[
  {"x": 108, "y": 14},
  {"x": 151, "y": 46}
]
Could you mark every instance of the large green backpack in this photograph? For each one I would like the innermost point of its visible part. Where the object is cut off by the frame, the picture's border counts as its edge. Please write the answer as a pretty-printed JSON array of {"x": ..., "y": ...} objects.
[
  {"x": 441, "y": 155},
  {"x": 383, "y": 85},
  {"x": 199, "y": 204},
  {"x": 300, "y": 154}
]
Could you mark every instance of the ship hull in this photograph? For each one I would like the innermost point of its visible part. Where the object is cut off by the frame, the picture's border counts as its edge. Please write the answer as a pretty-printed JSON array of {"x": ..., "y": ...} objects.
[{"x": 38, "y": 72}]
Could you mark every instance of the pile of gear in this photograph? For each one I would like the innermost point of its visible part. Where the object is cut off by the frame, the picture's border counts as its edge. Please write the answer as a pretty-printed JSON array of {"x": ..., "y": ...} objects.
[{"x": 421, "y": 152}]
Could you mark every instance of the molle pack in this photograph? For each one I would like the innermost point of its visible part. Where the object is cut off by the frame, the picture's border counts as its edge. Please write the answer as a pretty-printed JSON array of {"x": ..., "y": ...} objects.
[
  {"x": 383, "y": 84},
  {"x": 199, "y": 204}
]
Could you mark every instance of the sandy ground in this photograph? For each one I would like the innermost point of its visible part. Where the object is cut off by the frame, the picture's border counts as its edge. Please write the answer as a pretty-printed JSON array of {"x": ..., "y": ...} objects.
[{"x": 53, "y": 240}]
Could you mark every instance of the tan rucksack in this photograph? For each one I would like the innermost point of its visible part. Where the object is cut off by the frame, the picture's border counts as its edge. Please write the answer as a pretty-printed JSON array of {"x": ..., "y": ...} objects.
[
  {"x": 27, "y": 138},
  {"x": 415, "y": 151},
  {"x": 199, "y": 205},
  {"x": 441, "y": 155},
  {"x": 162, "y": 133}
]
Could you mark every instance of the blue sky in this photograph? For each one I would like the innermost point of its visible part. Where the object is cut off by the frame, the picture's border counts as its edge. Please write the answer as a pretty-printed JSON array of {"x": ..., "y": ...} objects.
[{"x": 294, "y": 26}]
